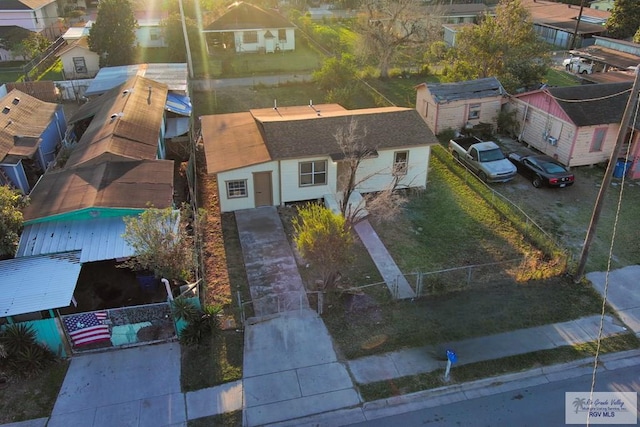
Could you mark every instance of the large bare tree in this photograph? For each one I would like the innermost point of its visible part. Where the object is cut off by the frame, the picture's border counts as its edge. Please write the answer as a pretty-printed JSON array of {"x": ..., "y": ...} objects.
[
  {"x": 355, "y": 148},
  {"x": 385, "y": 26}
]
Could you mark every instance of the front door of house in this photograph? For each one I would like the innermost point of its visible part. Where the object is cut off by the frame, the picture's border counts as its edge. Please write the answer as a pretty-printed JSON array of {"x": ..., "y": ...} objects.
[{"x": 262, "y": 191}]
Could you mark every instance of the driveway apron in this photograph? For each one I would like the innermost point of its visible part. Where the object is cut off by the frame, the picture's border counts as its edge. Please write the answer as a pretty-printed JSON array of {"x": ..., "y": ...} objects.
[{"x": 138, "y": 386}]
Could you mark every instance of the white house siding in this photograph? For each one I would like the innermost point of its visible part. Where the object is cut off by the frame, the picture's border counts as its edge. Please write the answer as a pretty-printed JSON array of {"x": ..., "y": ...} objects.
[
  {"x": 378, "y": 170},
  {"x": 289, "y": 44},
  {"x": 233, "y": 204},
  {"x": 91, "y": 61},
  {"x": 150, "y": 36},
  {"x": 582, "y": 154},
  {"x": 290, "y": 180},
  {"x": 22, "y": 18}
]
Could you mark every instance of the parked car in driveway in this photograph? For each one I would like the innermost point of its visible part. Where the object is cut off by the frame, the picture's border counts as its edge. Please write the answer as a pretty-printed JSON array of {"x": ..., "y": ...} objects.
[{"x": 542, "y": 170}]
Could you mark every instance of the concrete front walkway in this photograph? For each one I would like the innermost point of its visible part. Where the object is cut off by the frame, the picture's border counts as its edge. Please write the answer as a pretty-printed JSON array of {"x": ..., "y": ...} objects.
[
  {"x": 398, "y": 285},
  {"x": 290, "y": 367}
]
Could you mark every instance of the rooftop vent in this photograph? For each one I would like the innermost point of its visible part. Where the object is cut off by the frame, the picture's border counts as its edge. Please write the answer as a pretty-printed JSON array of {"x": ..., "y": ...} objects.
[
  {"x": 6, "y": 110},
  {"x": 15, "y": 101}
]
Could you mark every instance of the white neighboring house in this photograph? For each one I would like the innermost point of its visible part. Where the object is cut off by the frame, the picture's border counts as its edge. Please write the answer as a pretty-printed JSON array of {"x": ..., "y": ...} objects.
[
  {"x": 149, "y": 31},
  {"x": 39, "y": 16},
  {"x": 274, "y": 156},
  {"x": 248, "y": 28},
  {"x": 78, "y": 61}
]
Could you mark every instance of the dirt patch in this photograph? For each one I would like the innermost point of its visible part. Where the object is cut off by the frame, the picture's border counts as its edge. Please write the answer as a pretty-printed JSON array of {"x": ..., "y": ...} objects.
[{"x": 217, "y": 290}]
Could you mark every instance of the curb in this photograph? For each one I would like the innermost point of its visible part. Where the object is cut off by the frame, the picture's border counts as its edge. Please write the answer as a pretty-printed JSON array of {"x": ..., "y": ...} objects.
[{"x": 495, "y": 385}]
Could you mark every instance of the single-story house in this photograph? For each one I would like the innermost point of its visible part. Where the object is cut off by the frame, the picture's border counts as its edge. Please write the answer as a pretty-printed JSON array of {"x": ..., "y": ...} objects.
[
  {"x": 459, "y": 105},
  {"x": 126, "y": 123},
  {"x": 40, "y": 16},
  {"x": 450, "y": 32},
  {"x": 555, "y": 22},
  {"x": 274, "y": 156},
  {"x": 465, "y": 13},
  {"x": 78, "y": 61},
  {"x": 245, "y": 27},
  {"x": 30, "y": 131},
  {"x": 602, "y": 4},
  {"x": 10, "y": 36},
  {"x": 578, "y": 125}
]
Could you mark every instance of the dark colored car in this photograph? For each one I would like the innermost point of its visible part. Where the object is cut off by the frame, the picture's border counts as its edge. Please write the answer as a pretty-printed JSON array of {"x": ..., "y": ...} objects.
[{"x": 542, "y": 170}]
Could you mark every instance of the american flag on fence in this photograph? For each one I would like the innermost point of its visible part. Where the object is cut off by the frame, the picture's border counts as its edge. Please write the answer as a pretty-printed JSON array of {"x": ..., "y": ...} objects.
[{"x": 87, "y": 328}]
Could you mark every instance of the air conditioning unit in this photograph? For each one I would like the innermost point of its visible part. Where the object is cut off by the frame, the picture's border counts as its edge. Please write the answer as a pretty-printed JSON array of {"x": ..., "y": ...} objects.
[{"x": 552, "y": 141}]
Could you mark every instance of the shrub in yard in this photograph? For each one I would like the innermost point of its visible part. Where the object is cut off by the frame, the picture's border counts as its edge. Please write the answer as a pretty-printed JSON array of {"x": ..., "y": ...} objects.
[
  {"x": 23, "y": 355},
  {"x": 201, "y": 324}
]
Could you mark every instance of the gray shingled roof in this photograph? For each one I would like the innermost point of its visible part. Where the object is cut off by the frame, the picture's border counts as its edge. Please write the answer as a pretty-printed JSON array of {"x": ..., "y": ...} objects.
[
  {"x": 472, "y": 89},
  {"x": 315, "y": 136},
  {"x": 603, "y": 107}
]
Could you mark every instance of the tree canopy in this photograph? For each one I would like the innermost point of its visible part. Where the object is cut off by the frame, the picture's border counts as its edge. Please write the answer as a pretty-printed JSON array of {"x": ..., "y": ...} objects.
[
  {"x": 388, "y": 26},
  {"x": 160, "y": 244},
  {"x": 505, "y": 46},
  {"x": 11, "y": 201},
  {"x": 113, "y": 35},
  {"x": 624, "y": 21},
  {"x": 174, "y": 36}
]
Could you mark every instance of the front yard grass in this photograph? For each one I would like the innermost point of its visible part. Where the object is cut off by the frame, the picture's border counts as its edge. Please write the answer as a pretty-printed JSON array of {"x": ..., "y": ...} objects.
[
  {"x": 450, "y": 225},
  {"x": 33, "y": 397}
]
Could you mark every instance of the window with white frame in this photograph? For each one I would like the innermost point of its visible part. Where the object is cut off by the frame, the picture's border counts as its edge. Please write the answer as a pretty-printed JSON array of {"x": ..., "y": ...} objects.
[
  {"x": 250, "y": 37},
  {"x": 236, "y": 188},
  {"x": 154, "y": 33},
  {"x": 400, "y": 162},
  {"x": 474, "y": 111},
  {"x": 313, "y": 173}
]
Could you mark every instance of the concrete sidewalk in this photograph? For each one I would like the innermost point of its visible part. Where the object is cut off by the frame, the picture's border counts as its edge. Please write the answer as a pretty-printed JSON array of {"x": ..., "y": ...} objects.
[{"x": 430, "y": 358}]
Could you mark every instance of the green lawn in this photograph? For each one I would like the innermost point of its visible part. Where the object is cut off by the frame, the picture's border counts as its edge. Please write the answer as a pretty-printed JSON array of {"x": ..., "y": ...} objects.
[
  {"x": 448, "y": 226},
  {"x": 561, "y": 78}
]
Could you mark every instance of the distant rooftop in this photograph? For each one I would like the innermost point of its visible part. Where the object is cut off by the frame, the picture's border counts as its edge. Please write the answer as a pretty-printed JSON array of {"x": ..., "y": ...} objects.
[{"x": 174, "y": 75}]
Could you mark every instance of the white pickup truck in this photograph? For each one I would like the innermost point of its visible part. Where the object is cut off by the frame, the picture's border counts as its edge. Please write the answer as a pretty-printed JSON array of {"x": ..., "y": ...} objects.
[
  {"x": 485, "y": 159},
  {"x": 578, "y": 65}
]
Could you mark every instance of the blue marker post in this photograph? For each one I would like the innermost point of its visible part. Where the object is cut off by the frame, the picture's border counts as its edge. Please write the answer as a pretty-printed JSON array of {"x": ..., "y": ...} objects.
[{"x": 452, "y": 358}]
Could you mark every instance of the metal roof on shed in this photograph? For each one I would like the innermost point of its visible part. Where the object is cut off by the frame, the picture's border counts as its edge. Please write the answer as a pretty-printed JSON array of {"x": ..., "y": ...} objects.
[
  {"x": 31, "y": 284},
  {"x": 98, "y": 239},
  {"x": 173, "y": 75}
]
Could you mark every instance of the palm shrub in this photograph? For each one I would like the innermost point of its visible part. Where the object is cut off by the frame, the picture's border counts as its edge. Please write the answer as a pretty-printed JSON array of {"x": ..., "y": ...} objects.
[
  {"x": 201, "y": 324},
  {"x": 23, "y": 355}
]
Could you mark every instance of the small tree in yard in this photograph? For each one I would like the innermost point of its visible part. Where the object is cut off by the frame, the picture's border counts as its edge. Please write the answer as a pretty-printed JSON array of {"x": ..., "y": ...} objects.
[
  {"x": 324, "y": 239},
  {"x": 11, "y": 201},
  {"x": 160, "y": 243},
  {"x": 382, "y": 205}
]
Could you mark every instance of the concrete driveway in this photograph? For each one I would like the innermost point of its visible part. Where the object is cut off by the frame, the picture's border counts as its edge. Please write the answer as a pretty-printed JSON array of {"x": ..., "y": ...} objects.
[
  {"x": 138, "y": 386},
  {"x": 622, "y": 293}
]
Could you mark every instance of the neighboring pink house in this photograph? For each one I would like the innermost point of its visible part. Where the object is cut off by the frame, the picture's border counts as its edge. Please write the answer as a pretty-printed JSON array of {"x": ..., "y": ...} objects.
[
  {"x": 578, "y": 125},
  {"x": 459, "y": 105}
]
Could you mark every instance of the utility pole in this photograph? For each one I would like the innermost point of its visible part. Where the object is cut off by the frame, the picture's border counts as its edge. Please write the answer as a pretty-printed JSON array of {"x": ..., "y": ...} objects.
[
  {"x": 574, "y": 37},
  {"x": 186, "y": 39},
  {"x": 608, "y": 176}
]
